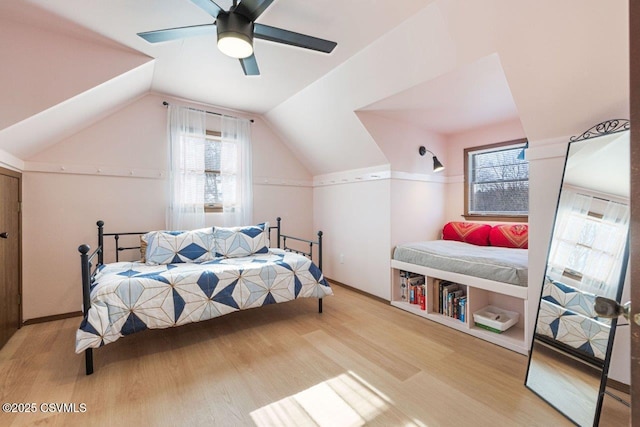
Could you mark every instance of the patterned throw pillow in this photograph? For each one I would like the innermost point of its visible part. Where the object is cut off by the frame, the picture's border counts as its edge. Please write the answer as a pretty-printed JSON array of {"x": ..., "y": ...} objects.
[
  {"x": 233, "y": 242},
  {"x": 468, "y": 232},
  {"x": 171, "y": 247},
  {"x": 510, "y": 236}
]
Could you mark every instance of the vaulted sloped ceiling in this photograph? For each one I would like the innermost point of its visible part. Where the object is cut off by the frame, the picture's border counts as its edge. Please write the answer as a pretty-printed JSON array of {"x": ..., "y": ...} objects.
[
  {"x": 467, "y": 98},
  {"x": 65, "y": 53},
  {"x": 600, "y": 165},
  {"x": 193, "y": 68},
  {"x": 58, "y": 77},
  {"x": 566, "y": 65},
  {"x": 67, "y": 63},
  {"x": 45, "y": 128}
]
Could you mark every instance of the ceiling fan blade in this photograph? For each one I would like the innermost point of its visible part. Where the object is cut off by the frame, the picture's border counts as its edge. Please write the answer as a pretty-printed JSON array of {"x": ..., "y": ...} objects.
[
  {"x": 208, "y": 6},
  {"x": 178, "y": 33},
  {"x": 252, "y": 9},
  {"x": 278, "y": 35},
  {"x": 250, "y": 66}
]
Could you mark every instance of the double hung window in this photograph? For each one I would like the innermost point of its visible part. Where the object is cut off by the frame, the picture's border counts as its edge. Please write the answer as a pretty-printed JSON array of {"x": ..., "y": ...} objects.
[
  {"x": 497, "y": 182},
  {"x": 220, "y": 183}
]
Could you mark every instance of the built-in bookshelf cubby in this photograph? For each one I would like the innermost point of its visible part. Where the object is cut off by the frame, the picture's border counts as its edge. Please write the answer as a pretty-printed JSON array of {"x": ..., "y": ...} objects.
[{"x": 451, "y": 299}]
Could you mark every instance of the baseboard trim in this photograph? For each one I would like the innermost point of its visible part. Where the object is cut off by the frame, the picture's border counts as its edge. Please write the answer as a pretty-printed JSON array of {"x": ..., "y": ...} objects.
[
  {"x": 51, "y": 318},
  {"x": 620, "y": 386},
  {"x": 358, "y": 291}
]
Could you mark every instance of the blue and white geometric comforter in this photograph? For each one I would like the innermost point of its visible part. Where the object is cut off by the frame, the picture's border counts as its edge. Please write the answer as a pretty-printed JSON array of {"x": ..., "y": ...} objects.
[
  {"x": 128, "y": 297},
  {"x": 567, "y": 315}
]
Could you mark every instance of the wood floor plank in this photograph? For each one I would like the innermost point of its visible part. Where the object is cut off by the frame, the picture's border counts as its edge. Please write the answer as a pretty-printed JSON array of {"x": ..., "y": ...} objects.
[{"x": 360, "y": 362}]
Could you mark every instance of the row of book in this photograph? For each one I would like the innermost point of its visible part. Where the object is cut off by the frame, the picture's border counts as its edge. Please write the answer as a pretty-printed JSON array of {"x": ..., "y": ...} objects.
[
  {"x": 413, "y": 289},
  {"x": 452, "y": 300}
]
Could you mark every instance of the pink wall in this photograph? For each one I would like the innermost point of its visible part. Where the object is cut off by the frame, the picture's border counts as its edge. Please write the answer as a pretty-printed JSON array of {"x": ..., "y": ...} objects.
[
  {"x": 64, "y": 195},
  {"x": 418, "y": 199},
  {"x": 417, "y": 210},
  {"x": 416, "y": 202},
  {"x": 364, "y": 219},
  {"x": 355, "y": 218},
  {"x": 399, "y": 142}
]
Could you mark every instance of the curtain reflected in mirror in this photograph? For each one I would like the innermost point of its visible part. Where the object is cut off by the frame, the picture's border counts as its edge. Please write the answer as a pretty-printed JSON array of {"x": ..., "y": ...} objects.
[{"x": 587, "y": 257}]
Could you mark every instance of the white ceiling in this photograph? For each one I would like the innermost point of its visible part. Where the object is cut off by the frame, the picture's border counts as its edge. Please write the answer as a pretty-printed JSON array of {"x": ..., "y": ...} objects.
[
  {"x": 193, "y": 68},
  {"x": 472, "y": 96},
  {"x": 442, "y": 65},
  {"x": 600, "y": 164}
]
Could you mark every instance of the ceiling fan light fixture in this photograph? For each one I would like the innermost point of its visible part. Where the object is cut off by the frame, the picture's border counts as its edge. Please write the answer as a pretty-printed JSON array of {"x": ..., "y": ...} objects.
[
  {"x": 235, "y": 46},
  {"x": 235, "y": 35}
]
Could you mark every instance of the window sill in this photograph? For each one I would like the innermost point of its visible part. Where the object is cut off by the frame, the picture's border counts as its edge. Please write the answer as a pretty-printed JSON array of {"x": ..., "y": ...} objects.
[{"x": 497, "y": 218}]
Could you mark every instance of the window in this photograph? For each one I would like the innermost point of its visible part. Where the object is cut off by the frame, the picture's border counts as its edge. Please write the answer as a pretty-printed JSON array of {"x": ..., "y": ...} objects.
[
  {"x": 585, "y": 228},
  {"x": 218, "y": 178},
  {"x": 588, "y": 242},
  {"x": 497, "y": 182}
]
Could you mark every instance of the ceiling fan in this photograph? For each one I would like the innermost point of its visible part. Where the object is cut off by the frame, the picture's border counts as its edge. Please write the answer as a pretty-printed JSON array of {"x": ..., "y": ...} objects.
[{"x": 236, "y": 30}]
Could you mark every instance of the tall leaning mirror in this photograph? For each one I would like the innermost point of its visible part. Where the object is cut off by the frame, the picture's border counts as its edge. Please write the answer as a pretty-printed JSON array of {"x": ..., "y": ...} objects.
[{"x": 571, "y": 350}]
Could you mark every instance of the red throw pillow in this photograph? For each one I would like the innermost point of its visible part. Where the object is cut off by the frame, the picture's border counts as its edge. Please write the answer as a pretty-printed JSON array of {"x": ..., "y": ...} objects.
[
  {"x": 468, "y": 232},
  {"x": 510, "y": 236}
]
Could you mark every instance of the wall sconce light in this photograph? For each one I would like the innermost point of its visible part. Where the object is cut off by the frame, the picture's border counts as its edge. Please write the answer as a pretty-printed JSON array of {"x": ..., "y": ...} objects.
[{"x": 437, "y": 166}]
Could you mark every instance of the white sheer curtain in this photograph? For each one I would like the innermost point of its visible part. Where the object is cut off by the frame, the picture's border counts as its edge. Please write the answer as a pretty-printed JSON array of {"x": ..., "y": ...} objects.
[
  {"x": 602, "y": 272},
  {"x": 236, "y": 175},
  {"x": 587, "y": 245},
  {"x": 187, "y": 134}
]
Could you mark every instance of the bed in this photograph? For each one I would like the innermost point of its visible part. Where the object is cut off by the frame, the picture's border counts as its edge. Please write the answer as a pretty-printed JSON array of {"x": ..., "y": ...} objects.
[
  {"x": 497, "y": 253},
  {"x": 487, "y": 262},
  {"x": 191, "y": 276},
  {"x": 482, "y": 267},
  {"x": 567, "y": 319}
]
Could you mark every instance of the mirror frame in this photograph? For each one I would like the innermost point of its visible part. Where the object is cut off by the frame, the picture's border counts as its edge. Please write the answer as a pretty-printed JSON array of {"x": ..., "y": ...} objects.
[{"x": 605, "y": 128}]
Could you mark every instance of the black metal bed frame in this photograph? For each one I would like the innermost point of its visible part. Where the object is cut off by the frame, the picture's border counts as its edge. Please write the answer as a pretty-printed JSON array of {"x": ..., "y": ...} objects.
[{"x": 89, "y": 270}]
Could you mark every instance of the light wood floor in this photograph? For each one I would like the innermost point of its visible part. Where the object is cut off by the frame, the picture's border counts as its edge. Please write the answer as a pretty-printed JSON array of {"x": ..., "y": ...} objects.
[{"x": 361, "y": 362}]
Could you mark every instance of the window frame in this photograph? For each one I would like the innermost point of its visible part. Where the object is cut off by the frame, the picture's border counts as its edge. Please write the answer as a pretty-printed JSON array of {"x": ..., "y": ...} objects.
[
  {"x": 212, "y": 207},
  {"x": 481, "y": 217}
]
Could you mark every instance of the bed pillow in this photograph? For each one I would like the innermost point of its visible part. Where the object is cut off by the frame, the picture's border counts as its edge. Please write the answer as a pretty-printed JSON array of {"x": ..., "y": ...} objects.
[
  {"x": 171, "y": 247},
  {"x": 233, "y": 242},
  {"x": 468, "y": 232},
  {"x": 510, "y": 236}
]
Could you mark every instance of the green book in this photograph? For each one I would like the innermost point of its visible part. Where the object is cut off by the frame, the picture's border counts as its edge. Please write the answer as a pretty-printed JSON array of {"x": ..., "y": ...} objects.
[{"x": 488, "y": 328}]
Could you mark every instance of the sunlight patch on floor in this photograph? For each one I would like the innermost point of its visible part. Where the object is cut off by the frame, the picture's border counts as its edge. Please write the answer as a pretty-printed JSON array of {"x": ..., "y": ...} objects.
[{"x": 345, "y": 400}]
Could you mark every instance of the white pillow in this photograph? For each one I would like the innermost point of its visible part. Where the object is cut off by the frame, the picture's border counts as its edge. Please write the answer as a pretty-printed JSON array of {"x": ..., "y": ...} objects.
[
  {"x": 171, "y": 247},
  {"x": 241, "y": 241}
]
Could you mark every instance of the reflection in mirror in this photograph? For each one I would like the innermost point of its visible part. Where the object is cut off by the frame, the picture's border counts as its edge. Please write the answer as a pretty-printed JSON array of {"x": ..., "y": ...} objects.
[
  {"x": 568, "y": 383},
  {"x": 572, "y": 345}
]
